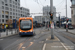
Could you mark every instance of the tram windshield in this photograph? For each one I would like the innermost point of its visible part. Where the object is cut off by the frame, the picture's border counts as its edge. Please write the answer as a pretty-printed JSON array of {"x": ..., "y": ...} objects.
[{"x": 25, "y": 24}]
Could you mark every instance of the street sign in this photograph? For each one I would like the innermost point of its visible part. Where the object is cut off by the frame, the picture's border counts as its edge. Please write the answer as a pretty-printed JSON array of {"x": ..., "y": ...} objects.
[
  {"x": 50, "y": 22},
  {"x": 52, "y": 25}
]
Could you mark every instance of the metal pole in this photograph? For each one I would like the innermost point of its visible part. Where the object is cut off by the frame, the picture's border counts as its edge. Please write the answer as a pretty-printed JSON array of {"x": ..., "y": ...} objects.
[
  {"x": 47, "y": 18},
  {"x": 51, "y": 10},
  {"x": 59, "y": 20},
  {"x": 66, "y": 18}
]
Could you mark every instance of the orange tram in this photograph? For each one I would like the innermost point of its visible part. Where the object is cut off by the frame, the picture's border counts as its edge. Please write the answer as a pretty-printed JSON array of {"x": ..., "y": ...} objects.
[{"x": 26, "y": 26}]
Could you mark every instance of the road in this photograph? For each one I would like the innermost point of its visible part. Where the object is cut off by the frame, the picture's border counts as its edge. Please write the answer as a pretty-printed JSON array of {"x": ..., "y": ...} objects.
[
  {"x": 65, "y": 37},
  {"x": 34, "y": 42},
  {"x": 16, "y": 42}
]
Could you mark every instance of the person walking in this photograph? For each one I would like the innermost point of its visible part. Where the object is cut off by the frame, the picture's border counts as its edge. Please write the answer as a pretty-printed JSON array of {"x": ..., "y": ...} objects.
[{"x": 6, "y": 26}]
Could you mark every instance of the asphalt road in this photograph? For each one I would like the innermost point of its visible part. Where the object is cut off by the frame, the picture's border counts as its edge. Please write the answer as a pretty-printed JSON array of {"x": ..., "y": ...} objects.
[
  {"x": 35, "y": 42},
  {"x": 19, "y": 43}
]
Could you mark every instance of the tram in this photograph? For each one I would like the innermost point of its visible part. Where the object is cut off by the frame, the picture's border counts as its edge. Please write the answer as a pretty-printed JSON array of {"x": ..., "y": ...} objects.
[{"x": 26, "y": 26}]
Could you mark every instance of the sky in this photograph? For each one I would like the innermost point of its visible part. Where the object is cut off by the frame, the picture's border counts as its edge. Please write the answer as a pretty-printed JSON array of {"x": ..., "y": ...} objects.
[{"x": 36, "y": 6}]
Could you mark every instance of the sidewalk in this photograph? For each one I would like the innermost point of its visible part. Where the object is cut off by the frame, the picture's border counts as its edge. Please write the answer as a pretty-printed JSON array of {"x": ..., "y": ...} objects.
[
  {"x": 8, "y": 33},
  {"x": 72, "y": 31},
  {"x": 54, "y": 44},
  {"x": 69, "y": 30}
]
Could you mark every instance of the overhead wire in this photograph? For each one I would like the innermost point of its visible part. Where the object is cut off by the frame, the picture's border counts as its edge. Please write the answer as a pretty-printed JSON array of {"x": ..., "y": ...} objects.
[
  {"x": 37, "y": 1},
  {"x": 26, "y": 3},
  {"x": 60, "y": 6},
  {"x": 59, "y": 3}
]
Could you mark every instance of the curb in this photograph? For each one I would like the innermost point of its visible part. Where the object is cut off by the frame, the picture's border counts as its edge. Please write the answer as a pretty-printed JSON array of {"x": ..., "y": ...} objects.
[
  {"x": 15, "y": 33},
  {"x": 71, "y": 33},
  {"x": 8, "y": 35}
]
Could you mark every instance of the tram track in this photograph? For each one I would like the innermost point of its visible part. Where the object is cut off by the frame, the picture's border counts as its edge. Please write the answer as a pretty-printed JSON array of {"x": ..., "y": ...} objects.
[{"x": 69, "y": 37}]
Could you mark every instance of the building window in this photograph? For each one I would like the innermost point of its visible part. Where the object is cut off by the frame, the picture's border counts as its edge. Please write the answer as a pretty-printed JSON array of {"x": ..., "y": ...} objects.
[
  {"x": 21, "y": 15},
  {"x": 72, "y": 11},
  {"x": 6, "y": 8},
  {"x": 16, "y": 6},
  {"x": 16, "y": 14},
  {"x": 16, "y": 10},
  {"x": 2, "y": 20},
  {"x": 16, "y": 17},
  {"x": 15, "y": 3},
  {"x": 21, "y": 11},
  {"x": 2, "y": 12},
  {"x": 21, "y": 8},
  {"x": 6, "y": 4},
  {"x": 6, "y": 16},
  {"x": 73, "y": 2},
  {"x": 13, "y": 6},
  {"x": 2, "y": 7},
  {"x": 19, "y": 0},
  {"x": 10, "y": 13},
  {"x": 15, "y": 0},
  {"x": 6, "y": 12},
  {"x": 10, "y": 17},
  {"x": 13, "y": 9},
  {"x": 6, "y": 20},
  {"x": 2, "y": 3},
  {"x": 13, "y": 13},
  {"x": 10, "y": 9},
  {"x": 10, "y": 5},
  {"x": 10, "y": 1},
  {"x": 13, "y": 17},
  {"x": 2, "y": 16},
  {"x": 5, "y": 0}
]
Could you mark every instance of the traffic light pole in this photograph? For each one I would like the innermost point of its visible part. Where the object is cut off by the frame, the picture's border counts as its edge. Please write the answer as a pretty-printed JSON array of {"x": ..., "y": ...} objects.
[
  {"x": 66, "y": 18},
  {"x": 59, "y": 20},
  {"x": 51, "y": 11}
]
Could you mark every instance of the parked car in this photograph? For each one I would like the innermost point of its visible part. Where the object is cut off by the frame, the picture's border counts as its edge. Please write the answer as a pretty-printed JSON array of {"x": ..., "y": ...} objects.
[{"x": 70, "y": 27}]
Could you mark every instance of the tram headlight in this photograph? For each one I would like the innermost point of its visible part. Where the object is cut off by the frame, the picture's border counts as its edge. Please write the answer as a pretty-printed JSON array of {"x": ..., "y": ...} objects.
[
  {"x": 20, "y": 31},
  {"x": 31, "y": 31}
]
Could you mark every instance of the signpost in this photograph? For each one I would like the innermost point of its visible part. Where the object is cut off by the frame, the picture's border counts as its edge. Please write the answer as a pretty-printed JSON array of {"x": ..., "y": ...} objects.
[{"x": 51, "y": 16}]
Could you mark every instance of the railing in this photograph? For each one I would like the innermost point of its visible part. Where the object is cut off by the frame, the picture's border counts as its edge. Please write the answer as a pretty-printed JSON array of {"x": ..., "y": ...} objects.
[{"x": 8, "y": 32}]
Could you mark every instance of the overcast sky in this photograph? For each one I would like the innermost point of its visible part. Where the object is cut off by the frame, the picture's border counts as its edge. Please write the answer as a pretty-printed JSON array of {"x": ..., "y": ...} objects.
[{"x": 35, "y": 6}]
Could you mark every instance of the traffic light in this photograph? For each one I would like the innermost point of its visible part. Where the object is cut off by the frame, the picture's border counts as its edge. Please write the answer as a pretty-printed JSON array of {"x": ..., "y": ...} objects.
[
  {"x": 67, "y": 20},
  {"x": 51, "y": 16}
]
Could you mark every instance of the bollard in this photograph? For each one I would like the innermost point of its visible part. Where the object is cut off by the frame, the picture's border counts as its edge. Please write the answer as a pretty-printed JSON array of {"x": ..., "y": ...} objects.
[
  {"x": 0, "y": 34},
  {"x": 11, "y": 31},
  {"x": 6, "y": 32}
]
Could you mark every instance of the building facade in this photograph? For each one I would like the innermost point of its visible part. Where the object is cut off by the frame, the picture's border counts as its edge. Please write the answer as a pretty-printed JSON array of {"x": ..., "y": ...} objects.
[
  {"x": 46, "y": 10},
  {"x": 73, "y": 12},
  {"x": 38, "y": 19},
  {"x": 24, "y": 12},
  {"x": 10, "y": 9}
]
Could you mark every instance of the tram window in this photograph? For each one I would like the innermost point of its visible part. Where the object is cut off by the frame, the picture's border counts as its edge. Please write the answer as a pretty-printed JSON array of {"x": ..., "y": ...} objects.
[{"x": 25, "y": 24}]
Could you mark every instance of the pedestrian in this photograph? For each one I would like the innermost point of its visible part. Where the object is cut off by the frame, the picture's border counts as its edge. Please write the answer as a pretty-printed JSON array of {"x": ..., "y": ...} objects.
[{"x": 6, "y": 26}]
